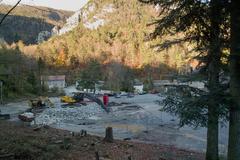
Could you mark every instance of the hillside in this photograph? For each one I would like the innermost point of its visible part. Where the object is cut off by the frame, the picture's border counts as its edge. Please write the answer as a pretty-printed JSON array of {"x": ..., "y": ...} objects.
[
  {"x": 114, "y": 31},
  {"x": 26, "y": 22}
]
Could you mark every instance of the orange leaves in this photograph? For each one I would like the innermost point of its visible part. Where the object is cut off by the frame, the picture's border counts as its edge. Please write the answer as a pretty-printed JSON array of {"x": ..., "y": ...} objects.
[{"x": 61, "y": 58}]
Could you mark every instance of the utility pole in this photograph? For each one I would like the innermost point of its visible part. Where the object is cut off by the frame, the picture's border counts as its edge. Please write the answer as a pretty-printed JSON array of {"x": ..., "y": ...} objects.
[{"x": 3, "y": 18}]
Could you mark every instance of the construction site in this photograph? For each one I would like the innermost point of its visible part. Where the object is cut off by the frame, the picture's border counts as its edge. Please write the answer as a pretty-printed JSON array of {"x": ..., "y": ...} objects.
[{"x": 136, "y": 118}]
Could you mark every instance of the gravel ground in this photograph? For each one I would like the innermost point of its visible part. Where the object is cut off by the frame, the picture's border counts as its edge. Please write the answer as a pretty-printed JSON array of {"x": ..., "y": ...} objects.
[
  {"x": 60, "y": 115},
  {"x": 136, "y": 118}
]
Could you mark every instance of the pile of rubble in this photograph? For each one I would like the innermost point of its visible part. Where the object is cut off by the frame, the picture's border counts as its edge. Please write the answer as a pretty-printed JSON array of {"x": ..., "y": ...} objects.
[{"x": 59, "y": 114}]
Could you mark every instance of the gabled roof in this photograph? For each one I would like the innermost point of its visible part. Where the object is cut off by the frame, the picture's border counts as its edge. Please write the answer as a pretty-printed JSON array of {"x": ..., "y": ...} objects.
[{"x": 54, "y": 78}]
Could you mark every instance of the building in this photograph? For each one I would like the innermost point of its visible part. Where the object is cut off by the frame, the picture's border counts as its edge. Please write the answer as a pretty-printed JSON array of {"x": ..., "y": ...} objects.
[
  {"x": 58, "y": 81},
  {"x": 138, "y": 86}
]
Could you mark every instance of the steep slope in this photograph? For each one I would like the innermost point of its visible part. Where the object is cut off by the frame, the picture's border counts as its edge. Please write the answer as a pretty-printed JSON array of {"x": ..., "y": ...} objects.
[
  {"x": 26, "y": 22},
  {"x": 113, "y": 31},
  {"x": 82, "y": 16}
]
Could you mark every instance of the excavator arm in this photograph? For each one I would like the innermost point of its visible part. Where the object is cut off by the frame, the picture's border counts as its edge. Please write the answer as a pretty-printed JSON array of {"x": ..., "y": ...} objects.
[
  {"x": 97, "y": 100},
  {"x": 78, "y": 97}
]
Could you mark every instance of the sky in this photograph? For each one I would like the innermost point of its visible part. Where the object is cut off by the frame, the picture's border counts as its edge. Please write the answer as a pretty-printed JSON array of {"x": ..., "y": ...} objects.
[{"x": 72, "y": 5}]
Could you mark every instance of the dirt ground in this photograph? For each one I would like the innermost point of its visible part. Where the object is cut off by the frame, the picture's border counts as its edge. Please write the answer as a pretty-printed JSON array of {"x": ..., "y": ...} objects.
[{"x": 19, "y": 141}]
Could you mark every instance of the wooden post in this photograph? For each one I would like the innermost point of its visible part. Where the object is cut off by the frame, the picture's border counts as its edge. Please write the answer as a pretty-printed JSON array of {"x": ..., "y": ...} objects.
[
  {"x": 1, "y": 92},
  {"x": 109, "y": 135}
]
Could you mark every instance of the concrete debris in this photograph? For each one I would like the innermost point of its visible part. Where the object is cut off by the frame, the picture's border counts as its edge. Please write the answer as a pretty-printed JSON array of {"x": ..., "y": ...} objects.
[
  {"x": 59, "y": 114},
  {"x": 28, "y": 114},
  {"x": 71, "y": 105}
]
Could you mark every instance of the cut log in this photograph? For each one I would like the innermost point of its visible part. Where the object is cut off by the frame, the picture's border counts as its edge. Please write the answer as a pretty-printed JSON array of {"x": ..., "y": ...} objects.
[{"x": 109, "y": 135}]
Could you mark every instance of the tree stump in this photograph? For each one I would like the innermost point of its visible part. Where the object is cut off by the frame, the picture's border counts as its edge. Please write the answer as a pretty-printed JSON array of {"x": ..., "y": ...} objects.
[
  {"x": 109, "y": 135},
  {"x": 97, "y": 156}
]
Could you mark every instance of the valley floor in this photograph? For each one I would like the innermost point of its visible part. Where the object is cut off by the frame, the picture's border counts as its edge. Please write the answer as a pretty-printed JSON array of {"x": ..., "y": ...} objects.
[{"x": 19, "y": 141}]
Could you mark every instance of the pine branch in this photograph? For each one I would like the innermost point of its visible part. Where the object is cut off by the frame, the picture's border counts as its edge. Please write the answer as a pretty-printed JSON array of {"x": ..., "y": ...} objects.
[{"x": 190, "y": 104}]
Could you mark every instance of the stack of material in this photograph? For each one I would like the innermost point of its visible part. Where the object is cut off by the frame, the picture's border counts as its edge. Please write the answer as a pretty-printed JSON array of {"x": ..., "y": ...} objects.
[
  {"x": 26, "y": 117},
  {"x": 65, "y": 115}
]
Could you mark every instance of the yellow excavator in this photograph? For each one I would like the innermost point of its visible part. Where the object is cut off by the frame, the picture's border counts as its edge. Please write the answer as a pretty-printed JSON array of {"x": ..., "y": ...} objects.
[
  {"x": 68, "y": 99},
  {"x": 78, "y": 97}
]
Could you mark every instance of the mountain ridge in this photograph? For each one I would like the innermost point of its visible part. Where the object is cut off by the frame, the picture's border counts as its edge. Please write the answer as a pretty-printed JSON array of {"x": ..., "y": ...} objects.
[{"x": 26, "y": 22}]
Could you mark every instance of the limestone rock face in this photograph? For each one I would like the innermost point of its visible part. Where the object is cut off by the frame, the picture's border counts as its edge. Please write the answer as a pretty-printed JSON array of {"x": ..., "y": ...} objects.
[
  {"x": 43, "y": 36},
  {"x": 91, "y": 17}
]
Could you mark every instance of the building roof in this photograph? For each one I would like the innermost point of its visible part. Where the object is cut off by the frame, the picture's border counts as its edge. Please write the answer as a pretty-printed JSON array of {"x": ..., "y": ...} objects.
[{"x": 54, "y": 78}]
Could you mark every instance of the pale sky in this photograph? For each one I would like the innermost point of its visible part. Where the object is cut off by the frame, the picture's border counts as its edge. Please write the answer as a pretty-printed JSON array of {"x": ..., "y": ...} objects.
[{"x": 72, "y": 5}]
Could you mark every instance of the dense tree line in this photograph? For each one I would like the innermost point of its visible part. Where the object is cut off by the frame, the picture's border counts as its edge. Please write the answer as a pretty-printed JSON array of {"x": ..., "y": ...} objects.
[
  {"x": 17, "y": 72},
  {"x": 14, "y": 29}
]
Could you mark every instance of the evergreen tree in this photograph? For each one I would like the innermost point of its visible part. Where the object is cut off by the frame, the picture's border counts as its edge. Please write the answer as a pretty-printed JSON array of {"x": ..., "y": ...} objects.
[
  {"x": 200, "y": 22},
  {"x": 234, "y": 124},
  {"x": 32, "y": 80},
  {"x": 90, "y": 75}
]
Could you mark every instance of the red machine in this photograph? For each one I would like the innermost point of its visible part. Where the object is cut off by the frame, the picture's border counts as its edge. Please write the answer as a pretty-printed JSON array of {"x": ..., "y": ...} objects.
[{"x": 105, "y": 100}]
